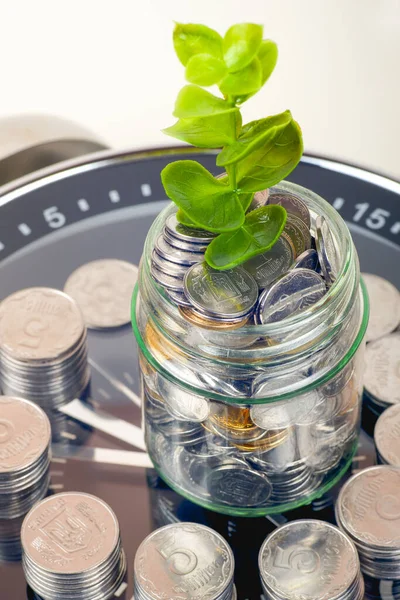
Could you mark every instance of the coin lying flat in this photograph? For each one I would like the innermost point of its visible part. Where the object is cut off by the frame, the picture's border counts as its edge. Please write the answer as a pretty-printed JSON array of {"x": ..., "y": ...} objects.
[
  {"x": 309, "y": 559},
  {"x": 382, "y": 373},
  {"x": 327, "y": 252},
  {"x": 184, "y": 244},
  {"x": 387, "y": 436},
  {"x": 384, "y": 306},
  {"x": 183, "y": 404},
  {"x": 184, "y": 560},
  {"x": 179, "y": 298},
  {"x": 222, "y": 294},
  {"x": 167, "y": 281},
  {"x": 208, "y": 322},
  {"x": 293, "y": 204},
  {"x": 103, "y": 291},
  {"x": 181, "y": 232},
  {"x": 237, "y": 485},
  {"x": 270, "y": 265},
  {"x": 307, "y": 260},
  {"x": 39, "y": 324},
  {"x": 168, "y": 267},
  {"x": 294, "y": 292}
]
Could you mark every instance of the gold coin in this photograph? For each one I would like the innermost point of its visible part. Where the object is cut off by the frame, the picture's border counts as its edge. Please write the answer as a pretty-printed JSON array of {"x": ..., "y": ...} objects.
[
  {"x": 193, "y": 317},
  {"x": 270, "y": 441},
  {"x": 160, "y": 347}
]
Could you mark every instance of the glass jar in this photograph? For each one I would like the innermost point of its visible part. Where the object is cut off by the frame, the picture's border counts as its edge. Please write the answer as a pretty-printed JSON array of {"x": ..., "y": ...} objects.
[{"x": 254, "y": 419}]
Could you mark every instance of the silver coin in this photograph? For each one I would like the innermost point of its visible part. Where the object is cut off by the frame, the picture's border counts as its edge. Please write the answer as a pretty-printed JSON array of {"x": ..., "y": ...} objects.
[
  {"x": 181, "y": 232},
  {"x": 184, "y": 560},
  {"x": 307, "y": 260},
  {"x": 39, "y": 324},
  {"x": 103, "y": 291},
  {"x": 182, "y": 403},
  {"x": 277, "y": 415},
  {"x": 290, "y": 295},
  {"x": 183, "y": 244},
  {"x": 387, "y": 435},
  {"x": 368, "y": 508},
  {"x": 175, "y": 255},
  {"x": 179, "y": 298},
  {"x": 167, "y": 281},
  {"x": 222, "y": 294},
  {"x": 328, "y": 254},
  {"x": 308, "y": 559},
  {"x": 270, "y": 265},
  {"x": 24, "y": 435},
  {"x": 382, "y": 373},
  {"x": 69, "y": 533},
  {"x": 235, "y": 485},
  {"x": 170, "y": 268},
  {"x": 298, "y": 234},
  {"x": 259, "y": 199},
  {"x": 384, "y": 307},
  {"x": 293, "y": 205}
]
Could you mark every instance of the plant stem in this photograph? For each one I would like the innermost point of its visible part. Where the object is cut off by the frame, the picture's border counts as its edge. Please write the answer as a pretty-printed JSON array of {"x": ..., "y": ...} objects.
[{"x": 232, "y": 170}]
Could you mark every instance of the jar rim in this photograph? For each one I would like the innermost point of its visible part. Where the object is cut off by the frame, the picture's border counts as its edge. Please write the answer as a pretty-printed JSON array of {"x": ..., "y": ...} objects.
[{"x": 246, "y": 400}]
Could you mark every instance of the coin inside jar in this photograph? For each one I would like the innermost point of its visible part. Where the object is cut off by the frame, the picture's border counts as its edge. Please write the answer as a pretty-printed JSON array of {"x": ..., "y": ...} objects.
[
  {"x": 222, "y": 294},
  {"x": 291, "y": 294},
  {"x": 232, "y": 481},
  {"x": 307, "y": 260},
  {"x": 270, "y": 265},
  {"x": 207, "y": 322},
  {"x": 181, "y": 232},
  {"x": 293, "y": 205},
  {"x": 298, "y": 234},
  {"x": 327, "y": 252},
  {"x": 175, "y": 255}
]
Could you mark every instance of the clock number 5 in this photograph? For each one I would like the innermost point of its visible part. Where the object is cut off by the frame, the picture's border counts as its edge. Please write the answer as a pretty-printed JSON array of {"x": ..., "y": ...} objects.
[{"x": 54, "y": 218}]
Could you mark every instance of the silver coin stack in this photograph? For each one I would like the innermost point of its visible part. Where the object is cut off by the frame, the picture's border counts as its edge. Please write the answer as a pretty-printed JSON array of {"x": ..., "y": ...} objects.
[
  {"x": 43, "y": 347},
  {"x": 186, "y": 560},
  {"x": 387, "y": 436},
  {"x": 24, "y": 456},
  {"x": 368, "y": 510},
  {"x": 72, "y": 548},
  {"x": 382, "y": 376},
  {"x": 310, "y": 559}
]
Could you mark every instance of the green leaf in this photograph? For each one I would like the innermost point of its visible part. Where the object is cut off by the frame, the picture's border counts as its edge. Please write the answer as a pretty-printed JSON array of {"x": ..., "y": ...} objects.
[
  {"x": 246, "y": 200},
  {"x": 271, "y": 162},
  {"x": 246, "y": 81},
  {"x": 210, "y": 203},
  {"x": 193, "y": 101},
  {"x": 204, "y": 69},
  {"x": 191, "y": 39},
  {"x": 213, "y": 131},
  {"x": 241, "y": 44},
  {"x": 252, "y": 136},
  {"x": 182, "y": 217},
  {"x": 259, "y": 233},
  {"x": 268, "y": 57}
]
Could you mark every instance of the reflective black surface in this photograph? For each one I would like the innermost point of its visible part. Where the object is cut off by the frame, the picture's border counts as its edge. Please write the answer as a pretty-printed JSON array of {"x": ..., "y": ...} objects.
[{"x": 103, "y": 208}]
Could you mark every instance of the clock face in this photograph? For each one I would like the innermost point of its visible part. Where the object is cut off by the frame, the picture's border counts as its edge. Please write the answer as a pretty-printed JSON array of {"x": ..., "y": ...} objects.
[{"x": 102, "y": 207}]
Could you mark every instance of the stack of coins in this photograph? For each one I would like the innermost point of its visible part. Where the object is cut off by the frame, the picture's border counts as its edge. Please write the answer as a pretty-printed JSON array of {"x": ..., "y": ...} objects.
[
  {"x": 72, "y": 548},
  {"x": 184, "y": 560},
  {"x": 285, "y": 280},
  {"x": 384, "y": 301},
  {"x": 387, "y": 436},
  {"x": 24, "y": 456},
  {"x": 310, "y": 559},
  {"x": 368, "y": 510},
  {"x": 382, "y": 375},
  {"x": 43, "y": 347}
]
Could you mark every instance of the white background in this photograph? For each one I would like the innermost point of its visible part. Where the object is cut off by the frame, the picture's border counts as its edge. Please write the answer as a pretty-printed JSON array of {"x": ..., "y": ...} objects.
[{"x": 110, "y": 65}]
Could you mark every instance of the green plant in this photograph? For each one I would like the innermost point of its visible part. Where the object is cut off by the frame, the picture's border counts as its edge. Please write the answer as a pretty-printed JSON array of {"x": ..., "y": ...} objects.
[{"x": 255, "y": 156}]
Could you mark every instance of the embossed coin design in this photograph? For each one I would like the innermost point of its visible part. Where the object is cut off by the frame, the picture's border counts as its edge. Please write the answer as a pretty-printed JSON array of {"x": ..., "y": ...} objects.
[
  {"x": 309, "y": 559},
  {"x": 294, "y": 205},
  {"x": 384, "y": 307},
  {"x": 291, "y": 294},
  {"x": 186, "y": 560},
  {"x": 382, "y": 373},
  {"x": 39, "y": 324},
  {"x": 103, "y": 291},
  {"x": 387, "y": 436},
  {"x": 298, "y": 233},
  {"x": 183, "y": 404},
  {"x": 72, "y": 548},
  {"x": 368, "y": 510},
  {"x": 327, "y": 252},
  {"x": 267, "y": 267},
  {"x": 241, "y": 486},
  {"x": 222, "y": 294}
]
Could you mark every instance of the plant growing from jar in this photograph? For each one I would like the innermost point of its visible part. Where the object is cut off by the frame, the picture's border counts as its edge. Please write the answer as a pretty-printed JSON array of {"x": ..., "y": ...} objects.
[{"x": 255, "y": 155}]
